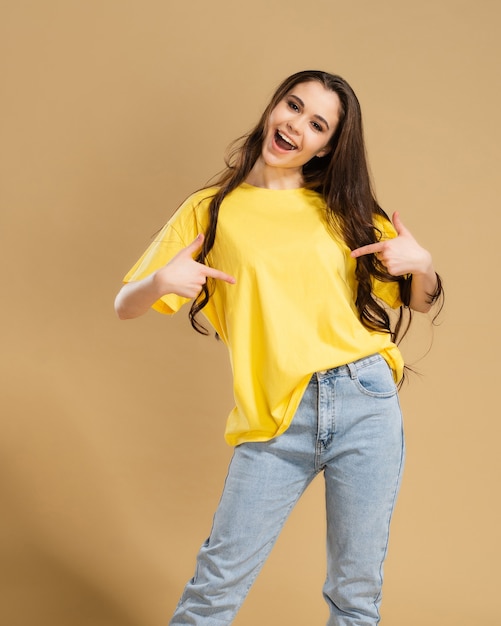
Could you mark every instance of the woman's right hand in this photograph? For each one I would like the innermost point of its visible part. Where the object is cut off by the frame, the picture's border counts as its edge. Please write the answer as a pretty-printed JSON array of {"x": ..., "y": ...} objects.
[{"x": 182, "y": 275}]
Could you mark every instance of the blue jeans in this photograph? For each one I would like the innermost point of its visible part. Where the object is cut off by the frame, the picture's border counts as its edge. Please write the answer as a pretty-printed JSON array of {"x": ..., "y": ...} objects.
[{"x": 349, "y": 427}]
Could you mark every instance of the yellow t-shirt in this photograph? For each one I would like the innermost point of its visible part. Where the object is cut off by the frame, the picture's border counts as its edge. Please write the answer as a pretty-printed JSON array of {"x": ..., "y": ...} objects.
[{"x": 291, "y": 312}]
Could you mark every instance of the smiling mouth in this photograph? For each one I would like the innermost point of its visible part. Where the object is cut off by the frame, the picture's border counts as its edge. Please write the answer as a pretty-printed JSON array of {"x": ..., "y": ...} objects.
[{"x": 284, "y": 142}]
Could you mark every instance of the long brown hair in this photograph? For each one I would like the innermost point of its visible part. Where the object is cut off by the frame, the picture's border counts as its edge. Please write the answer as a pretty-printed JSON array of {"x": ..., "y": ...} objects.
[{"x": 342, "y": 178}]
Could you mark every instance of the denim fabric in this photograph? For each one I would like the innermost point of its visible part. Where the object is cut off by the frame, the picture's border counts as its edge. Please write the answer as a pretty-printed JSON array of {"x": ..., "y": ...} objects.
[{"x": 349, "y": 427}]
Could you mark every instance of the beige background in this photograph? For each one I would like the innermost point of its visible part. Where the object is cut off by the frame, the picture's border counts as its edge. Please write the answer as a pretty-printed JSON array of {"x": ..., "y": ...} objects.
[{"x": 111, "y": 449}]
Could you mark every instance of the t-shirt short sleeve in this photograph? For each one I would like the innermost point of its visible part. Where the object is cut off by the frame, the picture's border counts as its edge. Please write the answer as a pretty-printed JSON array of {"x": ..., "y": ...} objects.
[
  {"x": 165, "y": 246},
  {"x": 179, "y": 232}
]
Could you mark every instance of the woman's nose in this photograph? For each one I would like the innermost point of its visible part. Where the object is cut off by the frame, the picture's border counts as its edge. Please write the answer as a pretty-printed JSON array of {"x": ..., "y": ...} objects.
[{"x": 292, "y": 128}]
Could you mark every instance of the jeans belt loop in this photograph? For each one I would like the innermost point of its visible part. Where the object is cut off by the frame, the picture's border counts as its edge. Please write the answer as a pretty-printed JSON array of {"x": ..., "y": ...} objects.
[{"x": 353, "y": 369}]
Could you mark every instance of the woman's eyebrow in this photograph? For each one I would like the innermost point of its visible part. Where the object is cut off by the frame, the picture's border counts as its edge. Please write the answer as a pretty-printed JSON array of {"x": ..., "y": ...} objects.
[{"x": 318, "y": 117}]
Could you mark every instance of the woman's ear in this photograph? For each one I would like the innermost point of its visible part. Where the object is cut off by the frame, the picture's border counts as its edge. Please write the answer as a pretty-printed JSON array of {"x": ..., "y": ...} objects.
[{"x": 323, "y": 152}]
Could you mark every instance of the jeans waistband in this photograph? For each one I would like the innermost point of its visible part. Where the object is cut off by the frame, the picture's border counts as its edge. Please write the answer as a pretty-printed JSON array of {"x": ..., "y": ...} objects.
[{"x": 349, "y": 369}]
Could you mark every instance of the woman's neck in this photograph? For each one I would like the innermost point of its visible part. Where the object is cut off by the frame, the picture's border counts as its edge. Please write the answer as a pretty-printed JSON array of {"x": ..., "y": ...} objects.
[{"x": 262, "y": 175}]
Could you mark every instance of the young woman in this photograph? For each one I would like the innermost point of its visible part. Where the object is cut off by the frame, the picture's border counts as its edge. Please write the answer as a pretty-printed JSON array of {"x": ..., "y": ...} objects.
[{"x": 295, "y": 265}]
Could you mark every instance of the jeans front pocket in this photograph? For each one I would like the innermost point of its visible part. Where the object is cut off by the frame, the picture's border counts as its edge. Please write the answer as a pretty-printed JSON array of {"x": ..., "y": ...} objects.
[{"x": 373, "y": 377}]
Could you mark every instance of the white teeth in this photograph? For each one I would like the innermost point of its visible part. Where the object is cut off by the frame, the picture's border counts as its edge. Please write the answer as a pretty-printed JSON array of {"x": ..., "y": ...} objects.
[{"x": 285, "y": 138}]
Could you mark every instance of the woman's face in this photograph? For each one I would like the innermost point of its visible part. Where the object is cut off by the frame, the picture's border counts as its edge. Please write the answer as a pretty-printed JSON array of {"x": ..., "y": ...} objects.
[{"x": 301, "y": 126}]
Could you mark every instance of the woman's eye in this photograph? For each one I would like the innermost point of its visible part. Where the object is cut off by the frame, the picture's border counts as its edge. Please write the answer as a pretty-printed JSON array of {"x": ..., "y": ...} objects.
[
  {"x": 316, "y": 126},
  {"x": 293, "y": 105}
]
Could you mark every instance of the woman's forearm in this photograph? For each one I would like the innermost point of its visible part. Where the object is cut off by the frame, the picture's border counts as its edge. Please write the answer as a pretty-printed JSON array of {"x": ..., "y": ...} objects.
[
  {"x": 135, "y": 298},
  {"x": 423, "y": 289}
]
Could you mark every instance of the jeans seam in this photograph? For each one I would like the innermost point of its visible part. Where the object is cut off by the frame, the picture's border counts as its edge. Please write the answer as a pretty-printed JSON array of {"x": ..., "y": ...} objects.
[{"x": 390, "y": 515}]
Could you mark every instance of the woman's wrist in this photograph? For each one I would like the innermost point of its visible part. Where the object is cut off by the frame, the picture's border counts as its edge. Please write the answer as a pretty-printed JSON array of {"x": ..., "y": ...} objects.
[{"x": 424, "y": 267}]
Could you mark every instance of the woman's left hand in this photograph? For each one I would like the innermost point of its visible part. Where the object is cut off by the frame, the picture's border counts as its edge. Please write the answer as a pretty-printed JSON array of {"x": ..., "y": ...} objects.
[
  {"x": 400, "y": 255},
  {"x": 403, "y": 255}
]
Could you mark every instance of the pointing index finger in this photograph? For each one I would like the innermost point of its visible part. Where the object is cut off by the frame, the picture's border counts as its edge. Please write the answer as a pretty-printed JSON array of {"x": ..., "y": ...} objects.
[
  {"x": 370, "y": 249},
  {"x": 213, "y": 273}
]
